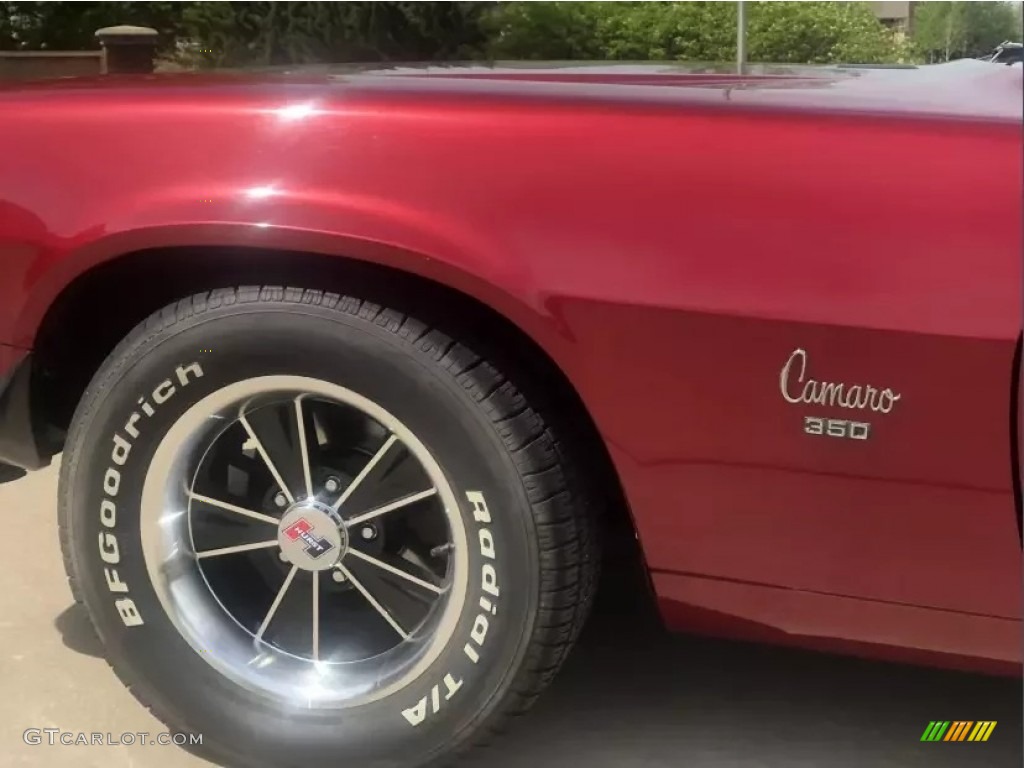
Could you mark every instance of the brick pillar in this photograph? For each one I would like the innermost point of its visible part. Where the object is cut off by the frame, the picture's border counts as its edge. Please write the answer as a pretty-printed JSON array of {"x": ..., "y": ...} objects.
[{"x": 127, "y": 49}]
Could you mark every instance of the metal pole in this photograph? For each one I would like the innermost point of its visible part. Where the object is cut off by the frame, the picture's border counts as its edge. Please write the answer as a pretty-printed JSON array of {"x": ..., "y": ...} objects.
[{"x": 741, "y": 37}]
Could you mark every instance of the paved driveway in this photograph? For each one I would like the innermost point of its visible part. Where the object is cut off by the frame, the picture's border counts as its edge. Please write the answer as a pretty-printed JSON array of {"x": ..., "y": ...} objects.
[{"x": 630, "y": 697}]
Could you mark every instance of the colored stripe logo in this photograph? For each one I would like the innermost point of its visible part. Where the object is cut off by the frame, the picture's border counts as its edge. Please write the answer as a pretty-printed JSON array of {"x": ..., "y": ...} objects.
[{"x": 958, "y": 730}]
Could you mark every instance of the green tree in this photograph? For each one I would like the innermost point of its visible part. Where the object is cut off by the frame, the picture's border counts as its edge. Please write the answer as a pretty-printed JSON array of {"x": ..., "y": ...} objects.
[
  {"x": 782, "y": 32},
  {"x": 544, "y": 31},
  {"x": 666, "y": 31},
  {"x": 71, "y": 26},
  {"x": 818, "y": 33},
  {"x": 283, "y": 32},
  {"x": 953, "y": 30},
  {"x": 239, "y": 33},
  {"x": 260, "y": 32}
]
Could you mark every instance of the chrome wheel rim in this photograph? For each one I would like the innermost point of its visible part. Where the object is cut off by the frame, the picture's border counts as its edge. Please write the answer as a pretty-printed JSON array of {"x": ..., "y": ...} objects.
[{"x": 304, "y": 541}]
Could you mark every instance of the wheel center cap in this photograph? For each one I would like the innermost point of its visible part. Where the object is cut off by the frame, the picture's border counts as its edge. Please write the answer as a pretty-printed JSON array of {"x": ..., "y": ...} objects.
[{"x": 311, "y": 536}]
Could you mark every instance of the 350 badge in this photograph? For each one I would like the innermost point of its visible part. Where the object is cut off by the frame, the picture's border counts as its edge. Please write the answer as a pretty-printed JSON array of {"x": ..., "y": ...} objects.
[{"x": 853, "y": 430}]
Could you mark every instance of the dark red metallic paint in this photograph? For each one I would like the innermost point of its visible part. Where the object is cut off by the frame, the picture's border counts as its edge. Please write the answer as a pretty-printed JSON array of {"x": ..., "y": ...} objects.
[{"x": 669, "y": 242}]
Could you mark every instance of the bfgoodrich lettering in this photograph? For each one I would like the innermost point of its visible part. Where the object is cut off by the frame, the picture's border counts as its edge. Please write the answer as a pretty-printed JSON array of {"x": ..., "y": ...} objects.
[{"x": 110, "y": 551}]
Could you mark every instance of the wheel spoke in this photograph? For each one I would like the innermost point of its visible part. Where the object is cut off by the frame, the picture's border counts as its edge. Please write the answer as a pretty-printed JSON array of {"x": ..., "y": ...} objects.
[
  {"x": 266, "y": 458},
  {"x": 232, "y": 508},
  {"x": 277, "y": 602},
  {"x": 397, "y": 504},
  {"x": 239, "y": 548},
  {"x": 303, "y": 449},
  {"x": 365, "y": 471},
  {"x": 372, "y": 601},
  {"x": 316, "y": 615},
  {"x": 396, "y": 571}
]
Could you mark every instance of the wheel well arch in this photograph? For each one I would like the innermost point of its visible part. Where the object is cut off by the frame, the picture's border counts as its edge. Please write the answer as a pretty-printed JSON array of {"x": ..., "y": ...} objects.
[{"x": 107, "y": 301}]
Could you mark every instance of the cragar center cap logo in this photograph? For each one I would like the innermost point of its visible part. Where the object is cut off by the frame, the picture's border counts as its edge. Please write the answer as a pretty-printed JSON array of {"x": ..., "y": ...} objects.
[{"x": 310, "y": 536}]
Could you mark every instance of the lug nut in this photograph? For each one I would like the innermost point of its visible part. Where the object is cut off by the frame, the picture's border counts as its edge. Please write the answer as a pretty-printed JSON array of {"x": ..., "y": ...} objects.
[
  {"x": 369, "y": 533},
  {"x": 338, "y": 576},
  {"x": 333, "y": 485},
  {"x": 280, "y": 499}
]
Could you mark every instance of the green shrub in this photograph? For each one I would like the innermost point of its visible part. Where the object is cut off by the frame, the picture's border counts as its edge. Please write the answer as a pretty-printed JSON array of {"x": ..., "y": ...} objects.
[{"x": 811, "y": 32}]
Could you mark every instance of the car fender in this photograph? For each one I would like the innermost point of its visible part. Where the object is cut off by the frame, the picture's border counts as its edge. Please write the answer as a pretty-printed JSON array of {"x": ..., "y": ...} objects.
[{"x": 363, "y": 228}]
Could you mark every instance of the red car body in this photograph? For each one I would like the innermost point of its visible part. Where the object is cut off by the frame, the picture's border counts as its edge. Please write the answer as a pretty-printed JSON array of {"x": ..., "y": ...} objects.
[{"x": 671, "y": 242}]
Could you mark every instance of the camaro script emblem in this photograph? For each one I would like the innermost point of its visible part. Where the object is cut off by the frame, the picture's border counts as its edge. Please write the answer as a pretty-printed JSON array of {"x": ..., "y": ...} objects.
[{"x": 797, "y": 388}]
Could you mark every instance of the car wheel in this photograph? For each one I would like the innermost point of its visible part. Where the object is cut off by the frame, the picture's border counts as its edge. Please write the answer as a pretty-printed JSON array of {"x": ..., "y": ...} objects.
[{"x": 315, "y": 530}]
